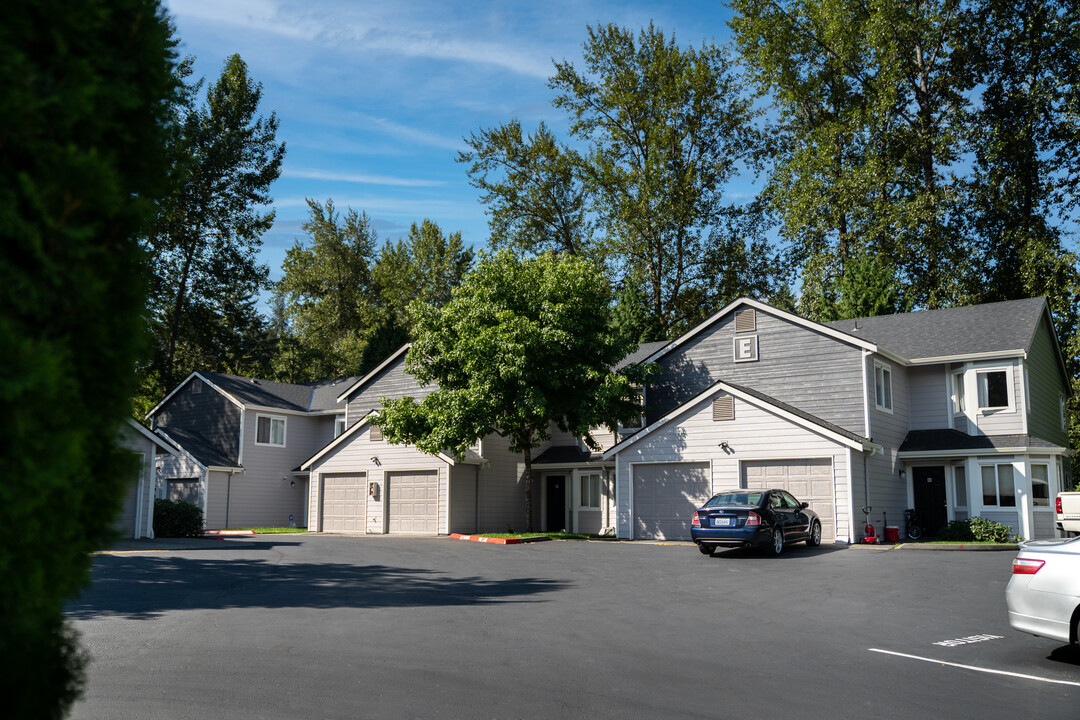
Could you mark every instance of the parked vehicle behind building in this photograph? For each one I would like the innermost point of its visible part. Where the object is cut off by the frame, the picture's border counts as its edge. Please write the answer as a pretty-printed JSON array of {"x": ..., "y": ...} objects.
[{"x": 1067, "y": 506}]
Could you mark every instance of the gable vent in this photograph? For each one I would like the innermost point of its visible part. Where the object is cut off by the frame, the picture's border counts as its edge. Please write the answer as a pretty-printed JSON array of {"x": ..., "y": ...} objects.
[
  {"x": 746, "y": 320},
  {"x": 723, "y": 408},
  {"x": 376, "y": 433}
]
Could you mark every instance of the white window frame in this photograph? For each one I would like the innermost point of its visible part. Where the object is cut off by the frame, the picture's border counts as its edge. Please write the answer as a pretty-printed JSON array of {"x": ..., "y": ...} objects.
[
  {"x": 1061, "y": 410},
  {"x": 339, "y": 425},
  {"x": 959, "y": 396},
  {"x": 583, "y": 482},
  {"x": 997, "y": 485},
  {"x": 883, "y": 397},
  {"x": 959, "y": 482},
  {"x": 270, "y": 434},
  {"x": 1045, "y": 502},
  {"x": 980, "y": 375}
]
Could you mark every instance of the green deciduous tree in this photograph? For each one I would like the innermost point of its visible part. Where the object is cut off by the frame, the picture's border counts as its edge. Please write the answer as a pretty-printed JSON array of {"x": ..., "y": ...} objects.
[
  {"x": 522, "y": 344},
  {"x": 533, "y": 189},
  {"x": 205, "y": 240},
  {"x": 667, "y": 128},
  {"x": 86, "y": 87},
  {"x": 872, "y": 115}
]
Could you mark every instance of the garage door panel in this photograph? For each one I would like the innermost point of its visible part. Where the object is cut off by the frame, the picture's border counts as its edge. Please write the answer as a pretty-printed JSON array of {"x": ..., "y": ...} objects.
[
  {"x": 345, "y": 503},
  {"x": 665, "y": 497},
  {"x": 809, "y": 480},
  {"x": 413, "y": 502}
]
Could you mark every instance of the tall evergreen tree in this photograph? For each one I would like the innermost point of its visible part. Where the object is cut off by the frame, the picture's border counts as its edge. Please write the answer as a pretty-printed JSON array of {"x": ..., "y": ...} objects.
[
  {"x": 84, "y": 100},
  {"x": 207, "y": 234}
]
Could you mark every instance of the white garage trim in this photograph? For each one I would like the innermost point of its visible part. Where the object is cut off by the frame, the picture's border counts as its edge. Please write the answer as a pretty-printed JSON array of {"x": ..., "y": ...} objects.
[{"x": 352, "y": 489}]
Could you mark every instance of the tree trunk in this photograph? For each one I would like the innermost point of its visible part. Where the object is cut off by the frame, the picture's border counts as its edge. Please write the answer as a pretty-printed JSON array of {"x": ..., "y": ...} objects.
[
  {"x": 528, "y": 483},
  {"x": 174, "y": 324}
]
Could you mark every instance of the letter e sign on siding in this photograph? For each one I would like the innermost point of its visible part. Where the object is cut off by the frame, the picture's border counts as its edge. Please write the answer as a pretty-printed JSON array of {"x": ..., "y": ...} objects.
[{"x": 746, "y": 349}]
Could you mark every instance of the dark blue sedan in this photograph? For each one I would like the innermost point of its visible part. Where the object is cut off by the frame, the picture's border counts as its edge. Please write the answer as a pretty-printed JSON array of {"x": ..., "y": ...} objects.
[{"x": 767, "y": 519}]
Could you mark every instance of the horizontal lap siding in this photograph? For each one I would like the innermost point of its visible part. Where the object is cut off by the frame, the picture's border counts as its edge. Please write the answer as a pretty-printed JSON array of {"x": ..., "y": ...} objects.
[
  {"x": 812, "y": 371},
  {"x": 144, "y": 450},
  {"x": 1004, "y": 422},
  {"x": 392, "y": 383},
  {"x": 930, "y": 409},
  {"x": 1044, "y": 421},
  {"x": 502, "y": 488},
  {"x": 889, "y": 493},
  {"x": 755, "y": 434},
  {"x": 267, "y": 492},
  {"x": 208, "y": 413}
]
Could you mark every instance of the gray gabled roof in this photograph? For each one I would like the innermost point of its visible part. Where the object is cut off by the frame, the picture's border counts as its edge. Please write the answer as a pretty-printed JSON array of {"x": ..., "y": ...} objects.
[
  {"x": 300, "y": 397},
  {"x": 642, "y": 351},
  {"x": 950, "y": 440},
  {"x": 950, "y": 332},
  {"x": 197, "y": 447}
]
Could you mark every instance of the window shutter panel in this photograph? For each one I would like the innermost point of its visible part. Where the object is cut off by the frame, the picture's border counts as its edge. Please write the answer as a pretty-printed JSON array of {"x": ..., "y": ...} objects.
[{"x": 376, "y": 433}]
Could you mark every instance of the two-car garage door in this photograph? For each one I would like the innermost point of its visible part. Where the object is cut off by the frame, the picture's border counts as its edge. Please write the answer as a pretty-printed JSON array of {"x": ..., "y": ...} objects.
[
  {"x": 412, "y": 502},
  {"x": 666, "y": 494}
]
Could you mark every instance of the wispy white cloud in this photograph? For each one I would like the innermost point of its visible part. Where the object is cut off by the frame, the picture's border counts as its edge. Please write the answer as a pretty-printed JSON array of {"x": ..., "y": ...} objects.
[{"x": 332, "y": 176}]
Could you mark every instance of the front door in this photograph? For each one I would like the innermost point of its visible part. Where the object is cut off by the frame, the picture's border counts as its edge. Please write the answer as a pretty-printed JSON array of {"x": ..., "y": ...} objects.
[
  {"x": 556, "y": 503},
  {"x": 931, "y": 512}
]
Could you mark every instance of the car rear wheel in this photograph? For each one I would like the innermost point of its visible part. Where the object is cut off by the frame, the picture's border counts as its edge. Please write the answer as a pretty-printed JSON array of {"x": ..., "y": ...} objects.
[
  {"x": 777, "y": 545},
  {"x": 706, "y": 549},
  {"x": 815, "y": 535}
]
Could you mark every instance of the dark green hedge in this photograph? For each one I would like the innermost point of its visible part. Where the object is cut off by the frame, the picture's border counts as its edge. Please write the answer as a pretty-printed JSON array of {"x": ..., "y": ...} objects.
[{"x": 176, "y": 518}]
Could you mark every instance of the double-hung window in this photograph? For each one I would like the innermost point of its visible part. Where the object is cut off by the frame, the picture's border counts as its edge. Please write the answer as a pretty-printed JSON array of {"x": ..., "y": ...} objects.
[
  {"x": 339, "y": 425},
  {"x": 998, "y": 485},
  {"x": 270, "y": 430},
  {"x": 590, "y": 490},
  {"x": 882, "y": 386}
]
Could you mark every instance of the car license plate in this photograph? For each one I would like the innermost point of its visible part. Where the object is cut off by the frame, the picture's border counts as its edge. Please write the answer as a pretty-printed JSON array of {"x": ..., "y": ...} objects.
[{"x": 723, "y": 522}]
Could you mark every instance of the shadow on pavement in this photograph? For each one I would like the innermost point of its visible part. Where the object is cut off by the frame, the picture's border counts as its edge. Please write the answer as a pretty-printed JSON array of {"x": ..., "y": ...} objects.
[
  {"x": 1068, "y": 654},
  {"x": 792, "y": 552},
  {"x": 145, "y": 586}
]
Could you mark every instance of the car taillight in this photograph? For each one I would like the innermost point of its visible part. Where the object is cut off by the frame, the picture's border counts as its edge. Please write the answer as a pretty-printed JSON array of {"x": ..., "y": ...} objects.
[
  {"x": 696, "y": 522},
  {"x": 753, "y": 519},
  {"x": 1057, "y": 505},
  {"x": 1024, "y": 566}
]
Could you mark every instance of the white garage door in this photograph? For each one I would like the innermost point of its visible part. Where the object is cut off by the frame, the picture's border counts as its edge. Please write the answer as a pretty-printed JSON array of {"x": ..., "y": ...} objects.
[
  {"x": 414, "y": 501},
  {"x": 344, "y": 503},
  {"x": 808, "y": 480},
  {"x": 665, "y": 498}
]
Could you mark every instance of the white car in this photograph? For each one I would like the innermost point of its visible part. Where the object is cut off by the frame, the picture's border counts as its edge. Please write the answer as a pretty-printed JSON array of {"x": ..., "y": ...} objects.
[{"x": 1043, "y": 595}]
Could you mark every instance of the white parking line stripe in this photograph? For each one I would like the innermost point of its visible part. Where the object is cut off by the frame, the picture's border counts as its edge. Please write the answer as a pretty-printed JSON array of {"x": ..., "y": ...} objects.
[{"x": 978, "y": 669}]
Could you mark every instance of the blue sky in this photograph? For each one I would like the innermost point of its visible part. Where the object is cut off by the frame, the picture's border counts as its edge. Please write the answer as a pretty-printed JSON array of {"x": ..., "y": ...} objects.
[{"x": 374, "y": 98}]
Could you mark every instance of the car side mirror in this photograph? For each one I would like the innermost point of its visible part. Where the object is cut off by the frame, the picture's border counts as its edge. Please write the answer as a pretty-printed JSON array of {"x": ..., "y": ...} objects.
[{"x": 804, "y": 506}]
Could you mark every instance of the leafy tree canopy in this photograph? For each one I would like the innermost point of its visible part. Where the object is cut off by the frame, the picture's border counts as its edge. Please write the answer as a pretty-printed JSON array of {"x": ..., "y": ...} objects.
[{"x": 521, "y": 345}]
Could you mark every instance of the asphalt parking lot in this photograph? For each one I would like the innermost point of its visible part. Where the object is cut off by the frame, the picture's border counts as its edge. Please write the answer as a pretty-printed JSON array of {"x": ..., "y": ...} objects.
[{"x": 395, "y": 627}]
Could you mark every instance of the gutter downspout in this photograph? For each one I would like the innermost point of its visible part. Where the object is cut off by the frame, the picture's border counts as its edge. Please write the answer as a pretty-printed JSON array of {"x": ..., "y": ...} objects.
[
  {"x": 139, "y": 493},
  {"x": 228, "y": 497}
]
